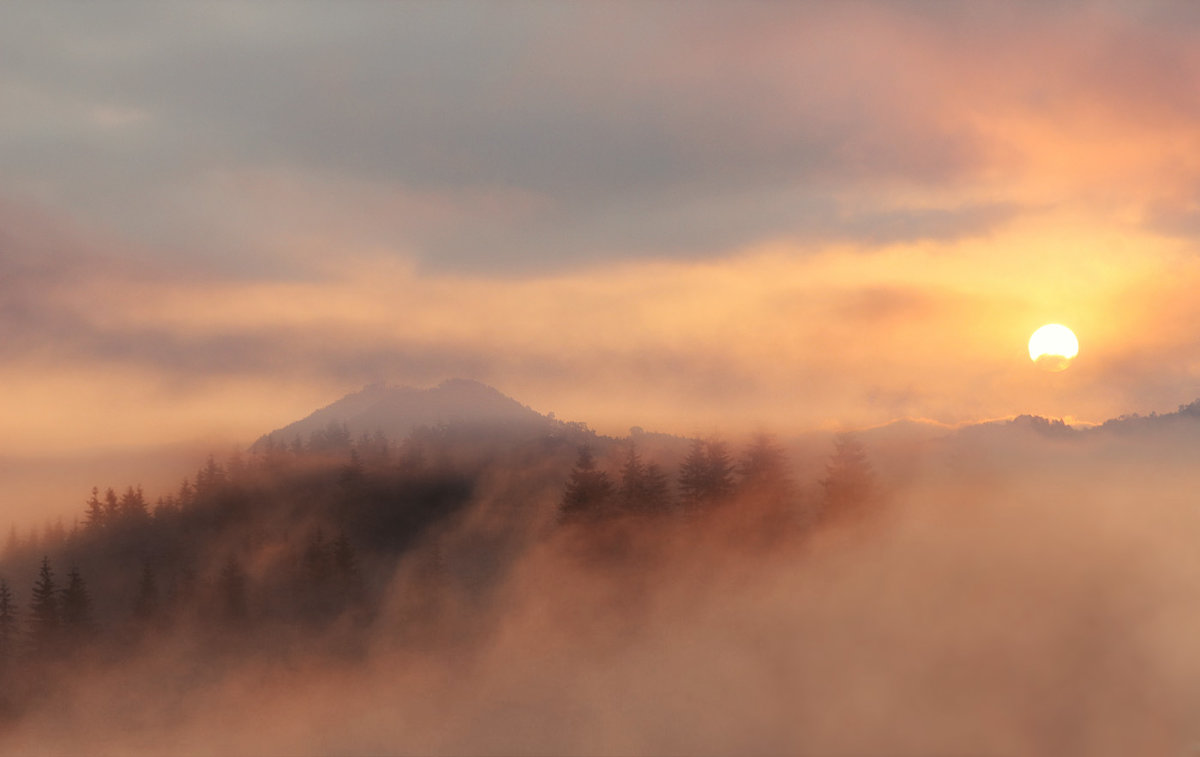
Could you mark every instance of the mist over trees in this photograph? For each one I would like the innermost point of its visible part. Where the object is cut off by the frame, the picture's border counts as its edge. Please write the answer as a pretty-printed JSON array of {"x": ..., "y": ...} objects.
[
  {"x": 309, "y": 533},
  {"x": 476, "y": 568}
]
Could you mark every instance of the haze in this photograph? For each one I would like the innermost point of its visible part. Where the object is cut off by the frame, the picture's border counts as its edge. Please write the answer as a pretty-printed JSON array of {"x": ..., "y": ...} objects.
[{"x": 703, "y": 221}]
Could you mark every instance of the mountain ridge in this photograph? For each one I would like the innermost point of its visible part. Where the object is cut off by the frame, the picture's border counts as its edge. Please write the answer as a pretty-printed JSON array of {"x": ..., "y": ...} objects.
[{"x": 397, "y": 410}]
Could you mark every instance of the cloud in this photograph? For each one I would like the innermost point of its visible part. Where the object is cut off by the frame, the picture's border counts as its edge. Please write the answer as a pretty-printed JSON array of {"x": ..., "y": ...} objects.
[{"x": 604, "y": 134}]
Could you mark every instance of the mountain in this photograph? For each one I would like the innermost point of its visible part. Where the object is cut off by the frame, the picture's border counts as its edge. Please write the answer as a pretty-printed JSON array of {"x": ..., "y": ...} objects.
[{"x": 396, "y": 411}]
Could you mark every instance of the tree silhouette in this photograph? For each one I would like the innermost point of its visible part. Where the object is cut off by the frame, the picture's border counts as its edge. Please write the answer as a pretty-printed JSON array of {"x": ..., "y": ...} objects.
[
  {"x": 44, "y": 611},
  {"x": 588, "y": 491},
  {"x": 706, "y": 475},
  {"x": 132, "y": 506},
  {"x": 210, "y": 477},
  {"x": 75, "y": 607},
  {"x": 848, "y": 483},
  {"x": 764, "y": 474},
  {"x": 644, "y": 486},
  {"x": 111, "y": 506},
  {"x": 95, "y": 517}
]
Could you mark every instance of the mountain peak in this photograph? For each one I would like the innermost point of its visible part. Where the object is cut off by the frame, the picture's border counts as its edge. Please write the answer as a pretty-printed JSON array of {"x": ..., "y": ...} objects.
[{"x": 397, "y": 410}]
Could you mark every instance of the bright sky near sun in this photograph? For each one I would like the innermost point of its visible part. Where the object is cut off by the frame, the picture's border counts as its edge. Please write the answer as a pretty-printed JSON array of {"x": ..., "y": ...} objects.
[{"x": 216, "y": 217}]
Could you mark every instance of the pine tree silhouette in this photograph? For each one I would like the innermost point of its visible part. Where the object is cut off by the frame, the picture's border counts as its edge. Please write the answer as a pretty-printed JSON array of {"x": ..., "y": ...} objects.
[
  {"x": 706, "y": 475},
  {"x": 644, "y": 486},
  {"x": 44, "y": 612},
  {"x": 75, "y": 607},
  {"x": 588, "y": 491}
]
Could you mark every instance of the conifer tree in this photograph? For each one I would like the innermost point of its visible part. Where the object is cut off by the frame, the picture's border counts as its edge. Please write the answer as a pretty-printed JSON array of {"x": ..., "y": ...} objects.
[
  {"x": 706, "y": 476},
  {"x": 132, "y": 506},
  {"x": 75, "y": 606},
  {"x": 588, "y": 490},
  {"x": 656, "y": 489},
  {"x": 112, "y": 506},
  {"x": 44, "y": 611},
  {"x": 186, "y": 495},
  {"x": 210, "y": 477},
  {"x": 95, "y": 516},
  {"x": 764, "y": 474},
  {"x": 644, "y": 486},
  {"x": 633, "y": 481}
]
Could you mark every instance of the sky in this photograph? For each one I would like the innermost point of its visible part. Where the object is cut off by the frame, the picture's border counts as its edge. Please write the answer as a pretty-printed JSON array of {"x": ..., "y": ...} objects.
[{"x": 218, "y": 217}]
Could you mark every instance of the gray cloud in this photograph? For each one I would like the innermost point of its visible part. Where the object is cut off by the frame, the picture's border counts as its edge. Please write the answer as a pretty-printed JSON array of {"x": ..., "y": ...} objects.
[{"x": 628, "y": 124}]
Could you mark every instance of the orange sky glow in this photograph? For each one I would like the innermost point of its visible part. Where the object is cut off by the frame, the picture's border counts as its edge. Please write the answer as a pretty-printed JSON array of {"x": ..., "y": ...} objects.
[{"x": 823, "y": 217}]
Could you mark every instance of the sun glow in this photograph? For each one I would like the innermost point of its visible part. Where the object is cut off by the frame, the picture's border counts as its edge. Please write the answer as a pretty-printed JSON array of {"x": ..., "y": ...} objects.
[{"x": 1053, "y": 346}]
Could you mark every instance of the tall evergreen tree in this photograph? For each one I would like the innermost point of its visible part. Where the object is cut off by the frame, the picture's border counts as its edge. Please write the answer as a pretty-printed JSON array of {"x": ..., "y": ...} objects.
[
  {"x": 644, "y": 486},
  {"x": 632, "y": 491},
  {"x": 210, "y": 477},
  {"x": 44, "y": 611},
  {"x": 112, "y": 506},
  {"x": 706, "y": 475},
  {"x": 588, "y": 491},
  {"x": 764, "y": 473},
  {"x": 132, "y": 506},
  {"x": 75, "y": 607},
  {"x": 656, "y": 489},
  {"x": 94, "y": 518},
  {"x": 186, "y": 495}
]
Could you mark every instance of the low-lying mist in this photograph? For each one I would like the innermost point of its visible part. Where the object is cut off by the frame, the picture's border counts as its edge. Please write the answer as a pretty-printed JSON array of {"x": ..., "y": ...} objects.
[{"x": 1007, "y": 592}]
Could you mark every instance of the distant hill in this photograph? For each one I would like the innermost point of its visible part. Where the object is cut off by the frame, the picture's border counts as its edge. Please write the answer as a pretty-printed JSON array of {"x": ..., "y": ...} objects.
[{"x": 396, "y": 411}]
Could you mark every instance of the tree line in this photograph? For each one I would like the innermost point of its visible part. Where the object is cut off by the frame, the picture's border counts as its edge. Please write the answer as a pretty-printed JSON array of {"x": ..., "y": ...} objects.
[
  {"x": 305, "y": 534},
  {"x": 710, "y": 476}
]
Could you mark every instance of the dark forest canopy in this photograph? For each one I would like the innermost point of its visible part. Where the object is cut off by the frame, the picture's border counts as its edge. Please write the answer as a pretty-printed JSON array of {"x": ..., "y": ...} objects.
[{"x": 309, "y": 533}]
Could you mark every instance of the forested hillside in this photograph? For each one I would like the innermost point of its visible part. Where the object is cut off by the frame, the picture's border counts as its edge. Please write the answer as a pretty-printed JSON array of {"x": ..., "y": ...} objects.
[{"x": 309, "y": 546}]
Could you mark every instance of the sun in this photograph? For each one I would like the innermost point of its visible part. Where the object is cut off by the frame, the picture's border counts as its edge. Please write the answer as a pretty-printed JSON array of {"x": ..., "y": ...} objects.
[{"x": 1053, "y": 346}]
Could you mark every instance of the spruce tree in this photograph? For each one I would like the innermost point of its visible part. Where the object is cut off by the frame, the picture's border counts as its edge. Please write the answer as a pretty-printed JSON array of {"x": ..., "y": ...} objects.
[
  {"x": 644, "y": 486},
  {"x": 588, "y": 490},
  {"x": 633, "y": 481},
  {"x": 706, "y": 476},
  {"x": 44, "y": 611},
  {"x": 95, "y": 517},
  {"x": 75, "y": 606}
]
